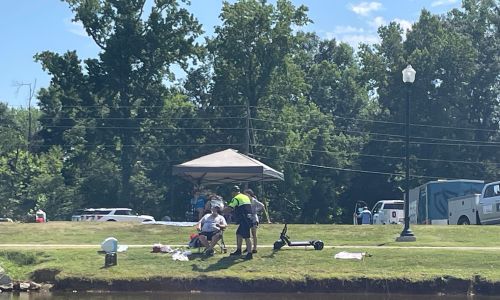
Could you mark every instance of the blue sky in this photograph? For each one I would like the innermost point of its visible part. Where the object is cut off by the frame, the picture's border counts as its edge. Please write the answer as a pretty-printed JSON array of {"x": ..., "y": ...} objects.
[{"x": 31, "y": 26}]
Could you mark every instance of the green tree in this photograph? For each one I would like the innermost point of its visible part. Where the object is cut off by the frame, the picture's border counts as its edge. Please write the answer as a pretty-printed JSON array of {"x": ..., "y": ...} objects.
[
  {"x": 247, "y": 49},
  {"x": 454, "y": 100},
  {"x": 108, "y": 103}
]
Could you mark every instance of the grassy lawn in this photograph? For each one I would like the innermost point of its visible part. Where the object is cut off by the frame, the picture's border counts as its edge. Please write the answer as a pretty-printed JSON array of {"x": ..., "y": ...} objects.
[{"x": 286, "y": 264}]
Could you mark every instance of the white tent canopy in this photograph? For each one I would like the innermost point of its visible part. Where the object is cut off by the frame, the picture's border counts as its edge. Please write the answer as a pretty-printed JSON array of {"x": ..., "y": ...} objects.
[{"x": 226, "y": 166}]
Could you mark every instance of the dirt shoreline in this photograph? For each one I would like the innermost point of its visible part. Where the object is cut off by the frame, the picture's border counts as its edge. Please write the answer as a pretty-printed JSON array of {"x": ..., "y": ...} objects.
[{"x": 438, "y": 286}]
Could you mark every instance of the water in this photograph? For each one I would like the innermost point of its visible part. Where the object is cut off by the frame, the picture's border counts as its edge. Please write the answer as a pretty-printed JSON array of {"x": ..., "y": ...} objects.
[{"x": 226, "y": 296}]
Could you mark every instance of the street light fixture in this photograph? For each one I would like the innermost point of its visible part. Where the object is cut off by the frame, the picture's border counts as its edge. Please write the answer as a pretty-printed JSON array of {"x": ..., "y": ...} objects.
[{"x": 407, "y": 235}]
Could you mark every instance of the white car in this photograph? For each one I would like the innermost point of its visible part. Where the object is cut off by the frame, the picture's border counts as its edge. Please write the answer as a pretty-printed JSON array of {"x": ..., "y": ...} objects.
[
  {"x": 388, "y": 212},
  {"x": 110, "y": 215}
]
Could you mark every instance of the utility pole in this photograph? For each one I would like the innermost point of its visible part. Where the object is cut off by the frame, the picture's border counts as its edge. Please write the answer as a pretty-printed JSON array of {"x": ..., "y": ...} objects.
[
  {"x": 246, "y": 147},
  {"x": 32, "y": 89}
]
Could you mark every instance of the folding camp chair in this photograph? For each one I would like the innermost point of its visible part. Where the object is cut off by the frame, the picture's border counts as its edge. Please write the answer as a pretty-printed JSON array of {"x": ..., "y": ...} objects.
[
  {"x": 220, "y": 243},
  {"x": 219, "y": 247}
]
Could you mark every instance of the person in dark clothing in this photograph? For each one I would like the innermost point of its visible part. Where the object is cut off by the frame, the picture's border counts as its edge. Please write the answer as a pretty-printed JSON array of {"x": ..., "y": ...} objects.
[{"x": 242, "y": 207}]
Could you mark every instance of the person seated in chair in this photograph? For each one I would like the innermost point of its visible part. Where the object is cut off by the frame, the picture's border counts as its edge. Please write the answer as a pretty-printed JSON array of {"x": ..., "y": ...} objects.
[{"x": 210, "y": 226}]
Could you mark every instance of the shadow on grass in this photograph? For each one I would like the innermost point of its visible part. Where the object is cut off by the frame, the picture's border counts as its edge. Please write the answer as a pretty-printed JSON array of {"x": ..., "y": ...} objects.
[
  {"x": 223, "y": 263},
  {"x": 271, "y": 254}
]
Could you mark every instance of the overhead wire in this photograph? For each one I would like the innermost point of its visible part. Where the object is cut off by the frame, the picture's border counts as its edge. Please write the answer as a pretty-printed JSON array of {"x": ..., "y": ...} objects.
[
  {"x": 128, "y": 106},
  {"x": 379, "y": 156},
  {"x": 399, "y": 123},
  {"x": 451, "y": 142},
  {"x": 139, "y": 118},
  {"x": 142, "y": 128},
  {"x": 456, "y": 141},
  {"x": 140, "y": 145},
  {"x": 356, "y": 170},
  {"x": 381, "y": 134}
]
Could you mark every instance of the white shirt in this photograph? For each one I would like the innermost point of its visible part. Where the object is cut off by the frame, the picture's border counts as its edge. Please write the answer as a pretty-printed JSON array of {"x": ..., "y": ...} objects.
[
  {"x": 257, "y": 206},
  {"x": 208, "y": 222}
]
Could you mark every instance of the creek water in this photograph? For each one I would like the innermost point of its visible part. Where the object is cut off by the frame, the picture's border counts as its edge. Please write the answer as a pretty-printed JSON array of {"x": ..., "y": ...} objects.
[{"x": 227, "y": 296}]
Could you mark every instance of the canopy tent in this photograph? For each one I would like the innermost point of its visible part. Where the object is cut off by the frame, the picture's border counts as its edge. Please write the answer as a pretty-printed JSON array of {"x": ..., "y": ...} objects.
[{"x": 226, "y": 166}]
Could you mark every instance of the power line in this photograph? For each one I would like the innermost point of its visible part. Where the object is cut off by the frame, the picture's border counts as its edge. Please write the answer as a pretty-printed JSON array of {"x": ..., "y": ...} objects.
[
  {"x": 142, "y": 128},
  {"x": 443, "y": 142},
  {"x": 378, "y": 156},
  {"x": 400, "y": 123},
  {"x": 277, "y": 110},
  {"x": 356, "y": 170},
  {"x": 125, "y": 106},
  {"x": 136, "y": 145},
  {"x": 455, "y": 141},
  {"x": 377, "y": 133},
  {"x": 327, "y": 152},
  {"x": 314, "y": 127},
  {"x": 137, "y": 118}
]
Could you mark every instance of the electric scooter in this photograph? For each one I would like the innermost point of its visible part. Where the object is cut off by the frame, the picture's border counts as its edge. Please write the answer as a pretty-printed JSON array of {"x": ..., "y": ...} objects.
[{"x": 285, "y": 240}]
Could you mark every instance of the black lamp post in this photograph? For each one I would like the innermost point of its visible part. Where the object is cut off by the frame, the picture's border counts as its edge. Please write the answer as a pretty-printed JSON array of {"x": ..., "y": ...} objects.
[{"x": 408, "y": 79}]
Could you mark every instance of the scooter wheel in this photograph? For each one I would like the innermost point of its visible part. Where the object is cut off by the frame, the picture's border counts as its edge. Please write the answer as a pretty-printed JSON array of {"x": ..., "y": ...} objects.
[
  {"x": 278, "y": 245},
  {"x": 318, "y": 245}
]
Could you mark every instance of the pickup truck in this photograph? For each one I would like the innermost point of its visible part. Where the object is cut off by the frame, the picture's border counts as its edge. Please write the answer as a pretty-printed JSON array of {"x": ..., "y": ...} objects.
[
  {"x": 388, "y": 212},
  {"x": 477, "y": 209}
]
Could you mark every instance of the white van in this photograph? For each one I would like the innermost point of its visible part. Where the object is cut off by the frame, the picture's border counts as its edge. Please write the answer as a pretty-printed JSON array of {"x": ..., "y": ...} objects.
[{"x": 388, "y": 212}]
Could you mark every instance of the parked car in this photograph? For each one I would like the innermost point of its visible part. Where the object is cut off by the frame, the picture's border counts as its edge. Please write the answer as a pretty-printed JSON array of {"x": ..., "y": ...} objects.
[
  {"x": 9, "y": 220},
  {"x": 388, "y": 212},
  {"x": 110, "y": 215}
]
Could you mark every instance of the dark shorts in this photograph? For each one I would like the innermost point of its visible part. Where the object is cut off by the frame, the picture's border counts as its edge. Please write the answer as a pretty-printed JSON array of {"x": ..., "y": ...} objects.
[
  {"x": 244, "y": 229},
  {"x": 209, "y": 234}
]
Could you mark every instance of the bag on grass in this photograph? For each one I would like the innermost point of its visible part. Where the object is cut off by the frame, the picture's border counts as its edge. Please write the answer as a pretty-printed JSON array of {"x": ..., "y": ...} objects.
[{"x": 195, "y": 241}]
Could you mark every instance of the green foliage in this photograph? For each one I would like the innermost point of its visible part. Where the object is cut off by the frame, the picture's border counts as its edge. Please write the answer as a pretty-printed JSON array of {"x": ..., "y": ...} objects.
[
  {"x": 104, "y": 112},
  {"x": 453, "y": 112},
  {"x": 108, "y": 130}
]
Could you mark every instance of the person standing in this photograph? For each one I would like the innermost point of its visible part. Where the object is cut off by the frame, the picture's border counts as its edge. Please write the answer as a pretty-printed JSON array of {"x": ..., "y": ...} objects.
[
  {"x": 199, "y": 204},
  {"x": 366, "y": 216},
  {"x": 257, "y": 206},
  {"x": 242, "y": 207}
]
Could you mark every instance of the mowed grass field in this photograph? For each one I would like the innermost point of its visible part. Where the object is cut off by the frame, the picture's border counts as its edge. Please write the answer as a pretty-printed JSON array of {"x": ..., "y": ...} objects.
[{"x": 425, "y": 259}]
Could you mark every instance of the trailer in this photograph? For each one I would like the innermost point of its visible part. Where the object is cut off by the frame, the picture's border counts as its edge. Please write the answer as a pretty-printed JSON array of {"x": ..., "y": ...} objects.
[{"x": 428, "y": 203}]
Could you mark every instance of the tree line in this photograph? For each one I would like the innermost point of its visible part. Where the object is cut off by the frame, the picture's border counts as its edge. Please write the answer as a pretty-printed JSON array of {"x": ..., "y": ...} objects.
[{"x": 107, "y": 130}]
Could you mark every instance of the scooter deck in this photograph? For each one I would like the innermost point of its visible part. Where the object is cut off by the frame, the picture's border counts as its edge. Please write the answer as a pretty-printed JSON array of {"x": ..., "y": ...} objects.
[{"x": 304, "y": 243}]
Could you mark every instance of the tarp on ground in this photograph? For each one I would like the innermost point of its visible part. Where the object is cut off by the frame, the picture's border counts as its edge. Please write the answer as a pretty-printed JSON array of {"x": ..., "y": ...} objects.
[{"x": 226, "y": 166}]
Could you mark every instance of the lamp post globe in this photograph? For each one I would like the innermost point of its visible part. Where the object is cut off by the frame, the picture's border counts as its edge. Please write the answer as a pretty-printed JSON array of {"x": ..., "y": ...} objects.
[
  {"x": 409, "y": 74},
  {"x": 407, "y": 235}
]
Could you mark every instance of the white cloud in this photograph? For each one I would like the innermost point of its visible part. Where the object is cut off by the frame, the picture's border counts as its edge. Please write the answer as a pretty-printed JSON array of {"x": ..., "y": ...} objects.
[
  {"x": 75, "y": 27},
  {"x": 365, "y": 8},
  {"x": 443, "y": 2},
  {"x": 347, "y": 29},
  {"x": 405, "y": 24},
  {"x": 353, "y": 39},
  {"x": 377, "y": 22}
]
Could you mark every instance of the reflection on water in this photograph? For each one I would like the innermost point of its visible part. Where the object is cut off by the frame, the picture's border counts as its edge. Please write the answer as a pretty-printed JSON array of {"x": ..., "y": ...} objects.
[{"x": 224, "y": 296}]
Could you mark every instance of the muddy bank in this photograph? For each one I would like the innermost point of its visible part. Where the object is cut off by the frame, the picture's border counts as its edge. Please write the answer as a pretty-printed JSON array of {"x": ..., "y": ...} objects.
[{"x": 448, "y": 285}]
